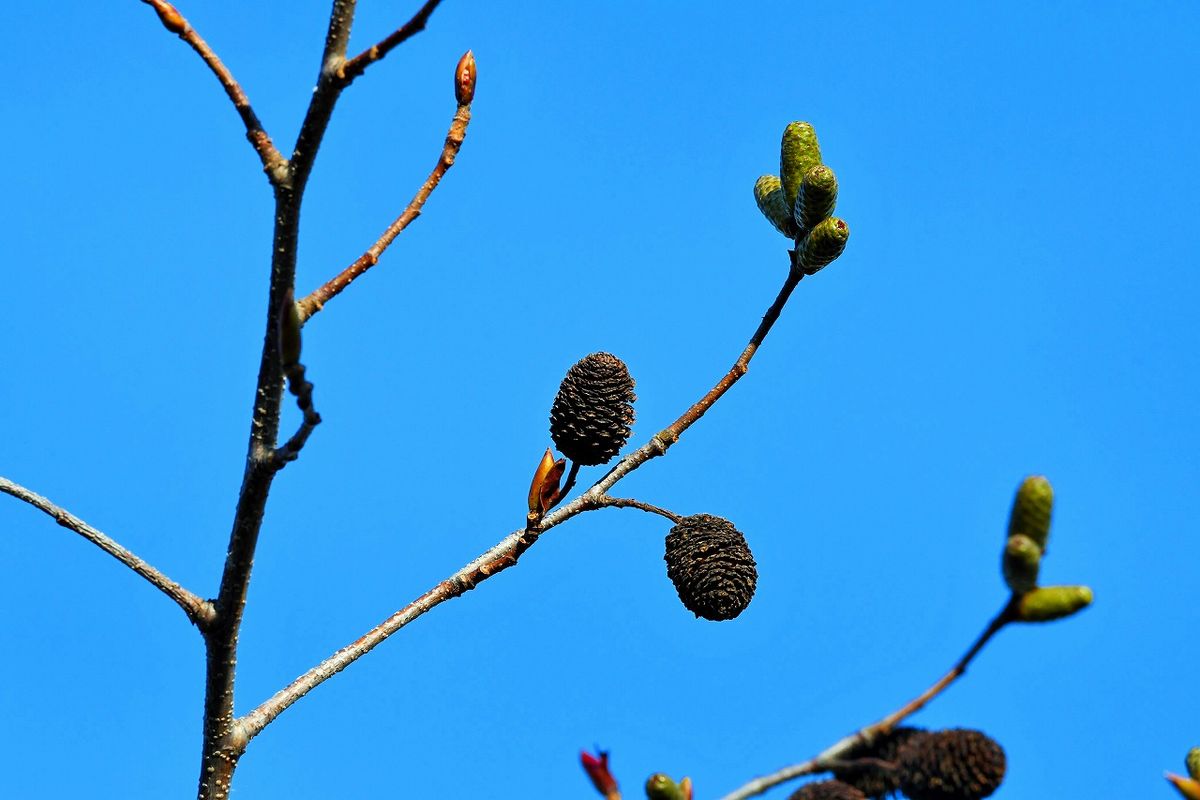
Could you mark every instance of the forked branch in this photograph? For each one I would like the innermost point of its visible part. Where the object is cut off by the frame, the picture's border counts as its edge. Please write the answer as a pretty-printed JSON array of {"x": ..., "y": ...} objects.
[
  {"x": 273, "y": 161},
  {"x": 198, "y": 610},
  {"x": 354, "y": 67}
]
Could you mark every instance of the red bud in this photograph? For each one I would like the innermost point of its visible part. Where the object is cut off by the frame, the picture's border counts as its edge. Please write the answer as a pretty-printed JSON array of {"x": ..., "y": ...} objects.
[
  {"x": 464, "y": 79},
  {"x": 596, "y": 767}
]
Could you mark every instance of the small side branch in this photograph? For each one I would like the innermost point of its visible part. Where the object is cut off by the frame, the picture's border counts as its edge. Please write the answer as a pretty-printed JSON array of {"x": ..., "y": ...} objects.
[
  {"x": 604, "y": 501},
  {"x": 273, "y": 161},
  {"x": 198, "y": 610},
  {"x": 302, "y": 389},
  {"x": 354, "y": 67},
  {"x": 831, "y": 756},
  {"x": 455, "y": 137}
]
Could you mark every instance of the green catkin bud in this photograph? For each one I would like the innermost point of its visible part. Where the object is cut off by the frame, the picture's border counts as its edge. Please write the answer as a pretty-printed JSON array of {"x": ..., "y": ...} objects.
[
  {"x": 768, "y": 193},
  {"x": 1048, "y": 603},
  {"x": 1022, "y": 557},
  {"x": 817, "y": 197},
  {"x": 660, "y": 787},
  {"x": 1031, "y": 510},
  {"x": 1193, "y": 763},
  {"x": 822, "y": 245},
  {"x": 798, "y": 153}
]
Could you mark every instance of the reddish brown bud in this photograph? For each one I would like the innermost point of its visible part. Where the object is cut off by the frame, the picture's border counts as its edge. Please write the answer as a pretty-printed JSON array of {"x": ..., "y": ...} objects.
[
  {"x": 596, "y": 767},
  {"x": 172, "y": 20},
  {"x": 464, "y": 79},
  {"x": 543, "y": 490}
]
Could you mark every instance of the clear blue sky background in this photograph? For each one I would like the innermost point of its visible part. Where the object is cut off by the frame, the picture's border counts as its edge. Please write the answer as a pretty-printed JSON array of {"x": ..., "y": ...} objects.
[{"x": 1018, "y": 296}]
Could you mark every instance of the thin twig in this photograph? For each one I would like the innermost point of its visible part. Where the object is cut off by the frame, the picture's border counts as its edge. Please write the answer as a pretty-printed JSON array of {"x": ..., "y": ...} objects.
[
  {"x": 830, "y": 757},
  {"x": 316, "y": 300},
  {"x": 198, "y": 610},
  {"x": 302, "y": 390},
  {"x": 354, "y": 67},
  {"x": 605, "y": 501},
  {"x": 506, "y": 553},
  {"x": 273, "y": 161}
]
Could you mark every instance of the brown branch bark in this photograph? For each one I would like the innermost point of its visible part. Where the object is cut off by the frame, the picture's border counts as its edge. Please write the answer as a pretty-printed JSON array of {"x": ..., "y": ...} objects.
[
  {"x": 506, "y": 553},
  {"x": 273, "y": 161},
  {"x": 827, "y": 758},
  {"x": 198, "y": 610},
  {"x": 457, "y": 133},
  {"x": 356, "y": 66}
]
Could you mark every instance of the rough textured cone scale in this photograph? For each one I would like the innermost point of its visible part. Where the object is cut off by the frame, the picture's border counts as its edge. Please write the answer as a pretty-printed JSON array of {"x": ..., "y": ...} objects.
[
  {"x": 798, "y": 153},
  {"x": 827, "y": 790},
  {"x": 817, "y": 198},
  {"x": 874, "y": 782},
  {"x": 593, "y": 410},
  {"x": 822, "y": 245},
  {"x": 957, "y": 764},
  {"x": 1021, "y": 562},
  {"x": 711, "y": 566},
  {"x": 768, "y": 193},
  {"x": 1031, "y": 510}
]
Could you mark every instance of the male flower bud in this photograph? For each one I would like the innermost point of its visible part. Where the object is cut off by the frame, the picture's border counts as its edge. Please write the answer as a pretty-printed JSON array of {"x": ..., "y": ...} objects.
[
  {"x": 798, "y": 153},
  {"x": 1048, "y": 603},
  {"x": 816, "y": 198},
  {"x": 1031, "y": 510},
  {"x": 768, "y": 193},
  {"x": 1022, "y": 557},
  {"x": 822, "y": 245}
]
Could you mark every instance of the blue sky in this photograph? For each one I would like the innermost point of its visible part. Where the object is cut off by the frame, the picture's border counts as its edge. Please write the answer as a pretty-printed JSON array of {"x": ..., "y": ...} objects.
[{"x": 1017, "y": 297}]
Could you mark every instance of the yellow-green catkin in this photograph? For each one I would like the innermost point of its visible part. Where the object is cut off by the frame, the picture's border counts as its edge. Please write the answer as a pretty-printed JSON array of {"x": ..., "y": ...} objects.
[
  {"x": 1031, "y": 510},
  {"x": 768, "y": 193},
  {"x": 798, "y": 153},
  {"x": 1022, "y": 558},
  {"x": 816, "y": 199},
  {"x": 822, "y": 245},
  {"x": 1048, "y": 603}
]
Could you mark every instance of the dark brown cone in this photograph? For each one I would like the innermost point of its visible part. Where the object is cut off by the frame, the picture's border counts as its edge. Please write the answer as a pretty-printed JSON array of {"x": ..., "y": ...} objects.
[
  {"x": 827, "y": 790},
  {"x": 711, "y": 566},
  {"x": 593, "y": 410},
  {"x": 957, "y": 764},
  {"x": 872, "y": 781}
]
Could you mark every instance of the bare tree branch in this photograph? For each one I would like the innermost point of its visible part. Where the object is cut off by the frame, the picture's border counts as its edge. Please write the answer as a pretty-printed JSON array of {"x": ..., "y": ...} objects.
[
  {"x": 506, "y": 553},
  {"x": 317, "y": 299},
  {"x": 273, "y": 161},
  {"x": 198, "y": 610},
  {"x": 356, "y": 66},
  {"x": 604, "y": 501},
  {"x": 827, "y": 759}
]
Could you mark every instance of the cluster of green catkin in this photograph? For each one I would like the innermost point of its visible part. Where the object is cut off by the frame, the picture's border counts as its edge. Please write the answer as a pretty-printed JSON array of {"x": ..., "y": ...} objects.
[
  {"x": 799, "y": 201},
  {"x": 1028, "y": 533}
]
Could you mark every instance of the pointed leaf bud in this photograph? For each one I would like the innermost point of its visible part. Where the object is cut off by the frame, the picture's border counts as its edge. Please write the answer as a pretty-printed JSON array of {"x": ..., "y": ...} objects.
[
  {"x": 958, "y": 764},
  {"x": 822, "y": 245},
  {"x": 596, "y": 767},
  {"x": 816, "y": 198},
  {"x": 464, "y": 79},
  {"x": 711, "y": 566},
  {"x": 1048, "y": 603},
  {"x": 660, "y": 787},
  {"x": 685, "y": 786},
  {"x": 1022, "y": 558},
  {"x": 1031, "y": 510},
  {"x": 170, "y": 17},
  {"x": 592, "y": 412},
  {"x": 827, "y": 790},
  {"x": 798, "y": 153},
  {"x": 1193, "y": 763},
  {"x": 768, "y": 193},
  {"x": 1188, "y": 787},
  {"x": 544, "y": 487}
]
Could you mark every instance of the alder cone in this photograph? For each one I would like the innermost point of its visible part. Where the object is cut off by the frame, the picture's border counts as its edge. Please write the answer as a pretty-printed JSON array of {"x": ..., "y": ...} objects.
[
  {"x": 874, "y": 782},
  {"x": 957, "y": 764},
  {"x": 593, "y": 410},
  {"x": 711, "y": 566},
  {"x": 827, "y": 790}
]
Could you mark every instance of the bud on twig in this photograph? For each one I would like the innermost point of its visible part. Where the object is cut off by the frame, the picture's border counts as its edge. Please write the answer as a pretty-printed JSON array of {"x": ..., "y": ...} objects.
[
  {"x": 544, "y": 487},
  {"x": 822, "y": 245},
  {"x": 1048, "y": 603},
  {"x": 798, "y": 153},
  {"x": 660, "y": 787},
  {"x": 1022, "y": 557},
  {"x": 171, "y": 19},
  {"x": 464, "y": 79},
  {"x": 768, "y": 193},
  {"x": 596, "y": 767},
  {"x": 1031, "y": 510}
]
